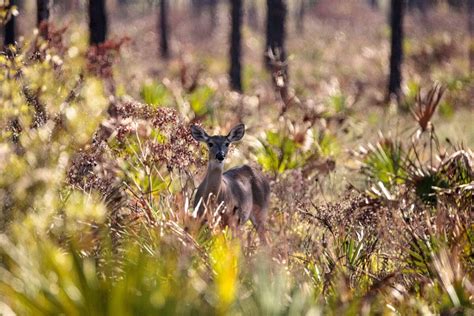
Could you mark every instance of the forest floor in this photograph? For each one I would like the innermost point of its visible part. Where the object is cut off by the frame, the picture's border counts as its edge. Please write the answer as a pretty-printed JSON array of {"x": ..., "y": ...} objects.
[{"x": 371, "y": 207}]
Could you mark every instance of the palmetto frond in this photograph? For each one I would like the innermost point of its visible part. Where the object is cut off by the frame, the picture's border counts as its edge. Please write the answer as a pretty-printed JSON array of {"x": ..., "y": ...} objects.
[{"x": 425, "y": 107}]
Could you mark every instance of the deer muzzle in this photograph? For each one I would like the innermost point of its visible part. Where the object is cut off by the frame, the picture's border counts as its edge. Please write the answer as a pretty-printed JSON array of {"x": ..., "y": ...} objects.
[{"x": 220, "y": 156}]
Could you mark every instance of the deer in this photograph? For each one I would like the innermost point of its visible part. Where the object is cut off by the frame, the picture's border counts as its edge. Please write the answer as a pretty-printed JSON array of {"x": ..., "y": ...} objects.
[{"x": 243, "y": 191}]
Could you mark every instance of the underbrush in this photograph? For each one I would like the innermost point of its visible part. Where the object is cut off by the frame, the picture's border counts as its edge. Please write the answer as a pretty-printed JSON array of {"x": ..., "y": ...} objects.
[{"x": 96, "y": 192}]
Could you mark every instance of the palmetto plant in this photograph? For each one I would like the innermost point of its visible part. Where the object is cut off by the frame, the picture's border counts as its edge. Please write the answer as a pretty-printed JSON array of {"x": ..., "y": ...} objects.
[
  {"x": 425, "y": 107},
  {"x": 420, "y": 164},
  {"x": 384, "y": 162},
  {"x": 431, "y": 172},
  {"x": 279, "y": 153},
  {"x": 40, "y": 278},
  {"x": 95, "y": 192}
]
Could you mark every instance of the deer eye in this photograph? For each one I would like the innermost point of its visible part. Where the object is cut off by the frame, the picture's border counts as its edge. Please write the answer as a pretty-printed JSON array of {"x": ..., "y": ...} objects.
[
  {"x": 210, "y": 144},
  {"x": 226, "y": 144}
]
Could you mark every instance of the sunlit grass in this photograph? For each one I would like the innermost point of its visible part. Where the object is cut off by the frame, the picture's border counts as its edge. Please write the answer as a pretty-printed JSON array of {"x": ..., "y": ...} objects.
[{"x": 96, "y": 198}]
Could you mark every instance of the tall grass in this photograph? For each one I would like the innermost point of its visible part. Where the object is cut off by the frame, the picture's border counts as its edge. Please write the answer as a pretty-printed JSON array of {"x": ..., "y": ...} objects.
[{"x": 96, "y": 189}]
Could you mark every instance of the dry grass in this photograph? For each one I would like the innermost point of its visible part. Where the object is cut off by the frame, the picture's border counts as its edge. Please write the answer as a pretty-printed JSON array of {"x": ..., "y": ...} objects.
[{"x": 99, "y": 215}]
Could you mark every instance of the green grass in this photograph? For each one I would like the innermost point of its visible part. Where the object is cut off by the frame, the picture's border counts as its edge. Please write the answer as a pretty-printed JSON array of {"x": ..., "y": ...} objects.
[{"x": 95, "y": 200}]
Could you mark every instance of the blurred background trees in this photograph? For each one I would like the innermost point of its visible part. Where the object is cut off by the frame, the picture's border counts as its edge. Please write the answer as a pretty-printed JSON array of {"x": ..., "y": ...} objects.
[
  {"x": 421, "y": 5},
  {"x": 471, "y": 33},
  {"x": 213, "y": 5},
  {"x": 42, "y": 16},
  {"x": 396, "y": 56},
  {"x": 275, "y": 12},
  {"x": 163, "y": 22},
  {"x": 275, "y": 29},
  {"x": 9, "y": 34},
  {"x": 374, "y": 4},
  {"x": 97, "y": 21},
  {"x": 300, "y": 13},
  {"x": 235, "y": 71},
  {"x": 97, "y": 165}
]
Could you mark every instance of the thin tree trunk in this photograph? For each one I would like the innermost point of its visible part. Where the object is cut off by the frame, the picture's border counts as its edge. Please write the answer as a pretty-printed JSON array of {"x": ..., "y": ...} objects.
[
  {"x": 253, "y": 15},
  {"x": 196, "y": 6},
  {"x": 67, "y": 5},
  {"x": 9, "y": 31},
  {"x": 470, "y": 24},
  {"x": 164, "y": 48},
  {"x": 300, "y": 16},
  {"x": 374, "y": 4},
  {"x": 457, "y": 4},
  {"x": 396, "y": 57},
  {"x": 42, "y": 16},
  {"x": 418, "y": 5},
  {"x": 235, "y": 46},
  {"x": 275, "y": 42},
  {"x": 97, "y": 22},
  {"x": 213, "y": 14}
]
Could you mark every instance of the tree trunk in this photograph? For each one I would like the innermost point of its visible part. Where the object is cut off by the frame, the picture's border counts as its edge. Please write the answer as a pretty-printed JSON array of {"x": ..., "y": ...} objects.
[
  {"x": 42, "y": 16},
  {"x": 374, "y": 4},
  {"x": 300, "y": 16},
  {"x": 253, "y": 15},
  {"x": 196, "y": 6},
  {"x": 396, "y": 58},
  {"x": 66, "y": 5},
  {"x": 164, "y": 48},
  {"x": 276, "y": 15},
  {"x": 457, "y": 4},
  {"x": 470, "y": 10},
  {"x": 97, "y": 22},
  {"x": 235, "y": 46},
  {"x": 9, "y": 31},
  {"x": 213, "y": 14},
  {"x": 420, "y": 5}
]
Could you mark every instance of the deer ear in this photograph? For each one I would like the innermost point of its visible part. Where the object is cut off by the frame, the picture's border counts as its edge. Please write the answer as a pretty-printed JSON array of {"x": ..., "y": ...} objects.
[
  {"x": 236, "y": 133},
  {"x": 199, "y": 134}
]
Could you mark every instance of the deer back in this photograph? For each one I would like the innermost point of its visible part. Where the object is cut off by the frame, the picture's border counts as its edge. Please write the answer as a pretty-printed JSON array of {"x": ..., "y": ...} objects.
[{"x": 244, "y": 190}]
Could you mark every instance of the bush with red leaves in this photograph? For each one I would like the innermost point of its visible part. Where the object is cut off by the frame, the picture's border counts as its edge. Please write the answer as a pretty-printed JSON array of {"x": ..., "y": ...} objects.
[{"x": 102, "y": 57}]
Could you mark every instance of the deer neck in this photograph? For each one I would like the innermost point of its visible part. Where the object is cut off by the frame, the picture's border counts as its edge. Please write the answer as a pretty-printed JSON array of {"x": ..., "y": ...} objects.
[{"x": 214, "y": 178}]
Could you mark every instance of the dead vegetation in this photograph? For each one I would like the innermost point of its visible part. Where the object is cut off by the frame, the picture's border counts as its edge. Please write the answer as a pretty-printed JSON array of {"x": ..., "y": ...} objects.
[{"x": 97, "y": 178}]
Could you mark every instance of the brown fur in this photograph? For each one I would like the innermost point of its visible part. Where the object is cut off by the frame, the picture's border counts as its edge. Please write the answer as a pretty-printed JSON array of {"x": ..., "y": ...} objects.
[{"x": 243, "y": 190}]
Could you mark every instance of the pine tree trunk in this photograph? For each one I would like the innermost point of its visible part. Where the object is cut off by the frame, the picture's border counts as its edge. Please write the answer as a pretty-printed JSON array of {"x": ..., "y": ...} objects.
[
  {"x": 68, "y": 5},
  {"x": 253, "y": 15},
  {"x": 196, "y": 7},
  {"x": 470, "y": 24},
  {"x": 419, "y": 5},
  {"x": 9, "y": 31},
  {"x": 396, "y": 57},
  {"x": 374, "y": 4},
  {"x": 300, "y": 16},
  {"x": 275, "y": 42},
  {"x": 213, "y": 14},
  {"x": 164, "y": 48},
  {"x": 42, "y": 16},
  {"x": 235, "y": 46},
  {"x": 457, "y": 4},
  {"x": 97, "y": 22}
]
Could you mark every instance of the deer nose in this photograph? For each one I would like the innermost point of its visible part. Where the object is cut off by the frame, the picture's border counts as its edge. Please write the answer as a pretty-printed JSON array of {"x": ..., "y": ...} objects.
[{"x": 220, "y": 156}]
